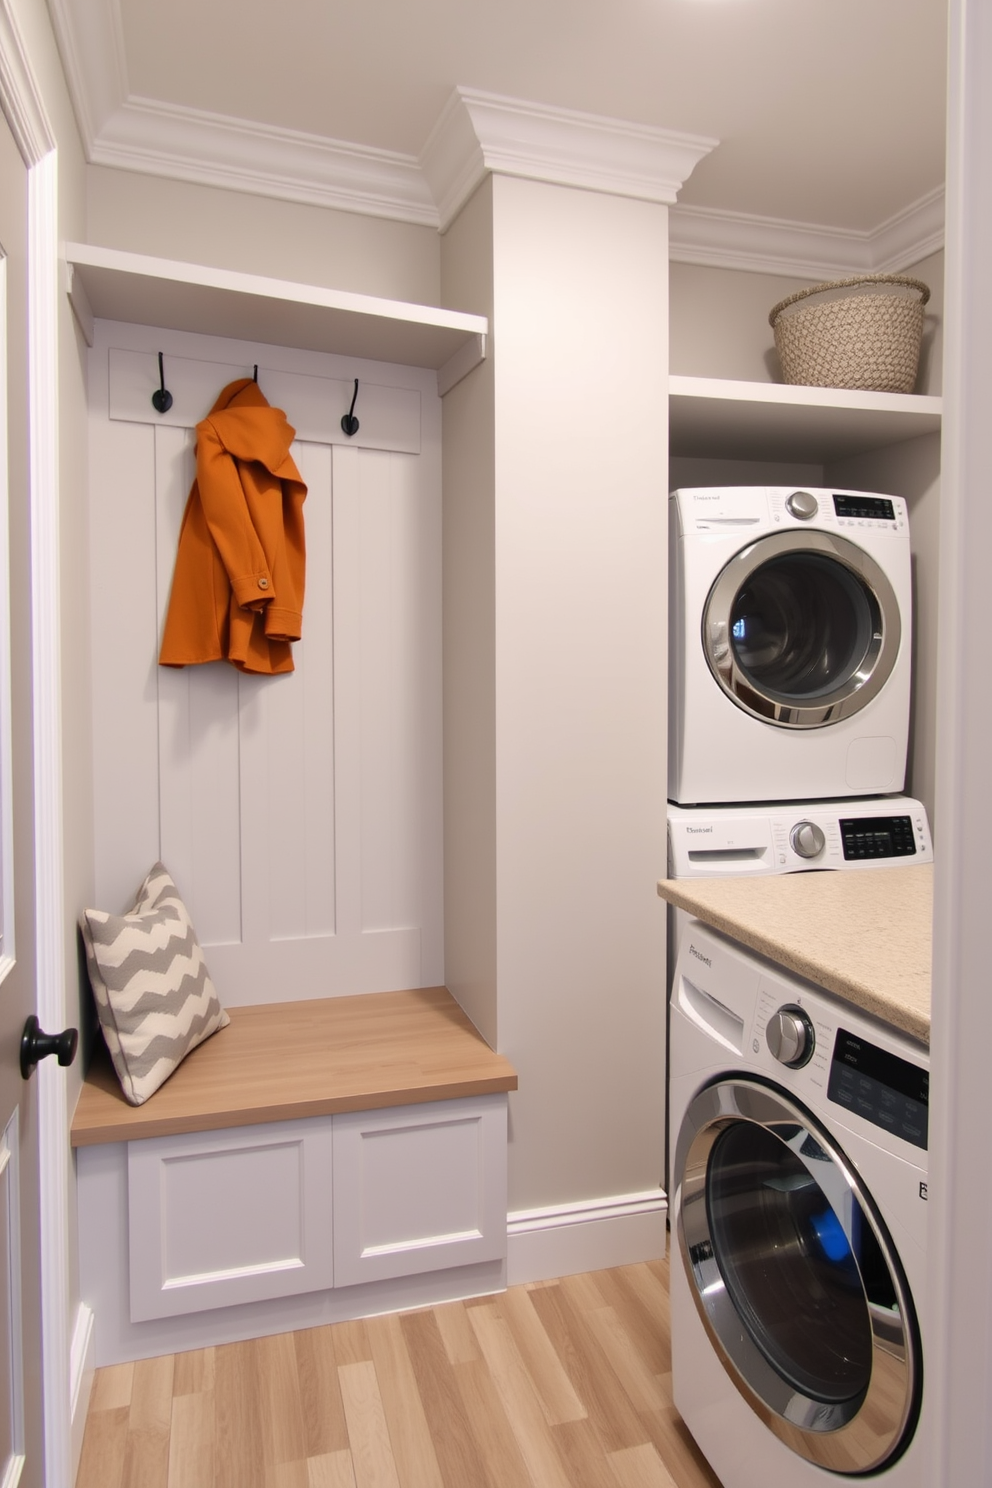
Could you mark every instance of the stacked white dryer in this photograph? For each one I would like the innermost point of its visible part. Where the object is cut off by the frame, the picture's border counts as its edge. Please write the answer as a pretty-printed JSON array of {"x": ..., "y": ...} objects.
[{"x": 791, "y": 654}]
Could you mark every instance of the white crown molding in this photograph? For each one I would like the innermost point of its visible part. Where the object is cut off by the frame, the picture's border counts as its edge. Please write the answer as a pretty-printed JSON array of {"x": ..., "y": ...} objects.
[
  {"x": 216, "y": 150},
  {"x": 734, "y": 240},
  {"x": 481, "y": 132},
  {"x": 766, "y": 245},
  {"x": 20, "y": 95},
  {"x": 911, "y": 235},
  {"x": 90, "y": 36}
]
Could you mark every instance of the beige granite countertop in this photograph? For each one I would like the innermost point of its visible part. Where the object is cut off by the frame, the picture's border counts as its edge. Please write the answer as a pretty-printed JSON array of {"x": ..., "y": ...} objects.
[{"x": 865, "y": 935}]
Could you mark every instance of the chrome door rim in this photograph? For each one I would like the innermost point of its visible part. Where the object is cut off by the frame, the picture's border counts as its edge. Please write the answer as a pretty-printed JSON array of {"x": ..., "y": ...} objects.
[
  {"x": 856, "y": 691},
  {"x": 847, "y": 1438}
]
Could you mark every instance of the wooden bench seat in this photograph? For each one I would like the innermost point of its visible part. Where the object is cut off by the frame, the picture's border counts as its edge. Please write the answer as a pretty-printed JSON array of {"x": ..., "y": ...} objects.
[{"x": 283, "y": 1061}]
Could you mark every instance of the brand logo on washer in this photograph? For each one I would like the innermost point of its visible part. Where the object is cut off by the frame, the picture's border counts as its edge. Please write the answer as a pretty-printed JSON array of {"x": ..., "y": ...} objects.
[
  {"x": 706, "y": 496},
  {"x": 923, "y": 1190},
  {"x": 700, "y": 957},
  {"x": 699, "y": 831}
]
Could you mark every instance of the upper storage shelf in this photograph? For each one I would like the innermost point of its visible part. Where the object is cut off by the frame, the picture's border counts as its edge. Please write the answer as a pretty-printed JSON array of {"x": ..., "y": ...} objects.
[
  {"x": 114, "y": 285},
  {"x": 770, "y": 421}
]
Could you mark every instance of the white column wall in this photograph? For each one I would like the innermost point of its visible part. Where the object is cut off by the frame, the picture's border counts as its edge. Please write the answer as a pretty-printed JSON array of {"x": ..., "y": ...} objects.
[{"x": 581, "y": 349}]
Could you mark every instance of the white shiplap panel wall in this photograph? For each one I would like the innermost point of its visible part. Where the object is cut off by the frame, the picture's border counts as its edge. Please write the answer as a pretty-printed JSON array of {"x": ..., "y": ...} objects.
[
  {"x": 197, "y": 735},
  {"x": 392, "y": 565},
  {"x": 125, "y": 636},
  {"x": 294, "y": 729},
  {"x": 300, "y": 815}
]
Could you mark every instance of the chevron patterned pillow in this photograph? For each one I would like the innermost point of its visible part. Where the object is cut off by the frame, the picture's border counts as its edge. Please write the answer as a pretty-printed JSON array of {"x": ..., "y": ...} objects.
[{"x": 154, "y": 997}]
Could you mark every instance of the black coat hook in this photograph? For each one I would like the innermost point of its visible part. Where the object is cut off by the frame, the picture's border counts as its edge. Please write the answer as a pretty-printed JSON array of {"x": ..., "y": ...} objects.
[
  {"x": 254, "y": 375},
  {"x": 349, "y": 422},
  {"x": 161, "y": 398}
]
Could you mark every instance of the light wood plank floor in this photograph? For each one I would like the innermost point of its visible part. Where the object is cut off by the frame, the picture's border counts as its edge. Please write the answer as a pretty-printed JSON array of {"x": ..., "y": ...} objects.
[{"x": 564, "y": 1384}]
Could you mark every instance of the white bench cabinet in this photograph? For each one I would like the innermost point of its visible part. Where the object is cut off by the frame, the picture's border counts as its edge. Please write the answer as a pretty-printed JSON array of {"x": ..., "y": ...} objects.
[
  {"x": 316, "y": 1160},
  {"x": 217, "y": 1218}
]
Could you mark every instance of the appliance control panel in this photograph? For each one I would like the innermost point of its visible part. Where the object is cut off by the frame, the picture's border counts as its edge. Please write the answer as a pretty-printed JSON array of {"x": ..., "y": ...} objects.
[
  {"x": 803, "y": 1039},
  {"x": 816, "y": 1055},
  {"x": 864, "y": 508},
  {"x": 732, "y": 841},
  {"x": 878, "y": 837},
  {"x": 733, "y": 509},
  {"x": 890, "y": 1092}
]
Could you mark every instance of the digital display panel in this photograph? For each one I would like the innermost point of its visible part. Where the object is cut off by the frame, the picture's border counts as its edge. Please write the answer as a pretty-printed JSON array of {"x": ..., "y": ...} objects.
[
  {"x": 877, "y": 837},
  {"x": 877, "y": 508},
  {"x": 888, "y": 1091}
]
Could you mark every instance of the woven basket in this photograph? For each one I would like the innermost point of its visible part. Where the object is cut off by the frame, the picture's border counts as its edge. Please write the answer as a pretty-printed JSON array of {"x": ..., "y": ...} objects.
[{"x": 860, "y": 341}]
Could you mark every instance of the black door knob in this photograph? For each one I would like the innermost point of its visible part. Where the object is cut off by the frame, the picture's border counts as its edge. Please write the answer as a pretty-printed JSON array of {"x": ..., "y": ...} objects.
[{"x": 37, "y": 1045}]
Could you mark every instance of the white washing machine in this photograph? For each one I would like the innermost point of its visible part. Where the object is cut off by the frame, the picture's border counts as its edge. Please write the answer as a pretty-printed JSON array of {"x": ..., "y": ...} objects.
[
  {"x": 790, "y": 644},
  {"x": 798, "y": 1227}
]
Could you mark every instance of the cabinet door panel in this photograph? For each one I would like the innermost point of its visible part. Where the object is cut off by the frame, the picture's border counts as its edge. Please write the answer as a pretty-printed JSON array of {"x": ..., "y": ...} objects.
[
  {"x": 217, "y": 1218},
  {"x": 419, "y": 1188}
]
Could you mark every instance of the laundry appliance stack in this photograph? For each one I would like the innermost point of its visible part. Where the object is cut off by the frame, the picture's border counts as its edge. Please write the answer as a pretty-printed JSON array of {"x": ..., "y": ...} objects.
[{"x": 797, "y": 1132}]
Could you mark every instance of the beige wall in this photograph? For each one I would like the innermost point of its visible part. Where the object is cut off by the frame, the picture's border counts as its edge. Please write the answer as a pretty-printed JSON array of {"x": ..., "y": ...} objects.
[
  {"x": 931, "y": 271},
  {"x": 719, "y": 322},
  {"x": 259, "y": 235},
  {"x": 469, "y": 612}
]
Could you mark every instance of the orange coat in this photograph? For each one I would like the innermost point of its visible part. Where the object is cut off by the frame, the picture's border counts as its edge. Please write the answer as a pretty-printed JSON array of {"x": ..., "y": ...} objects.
[{"x": 237, "y": 590}]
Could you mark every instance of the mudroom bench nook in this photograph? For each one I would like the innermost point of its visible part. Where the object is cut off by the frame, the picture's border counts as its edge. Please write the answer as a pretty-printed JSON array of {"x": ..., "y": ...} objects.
[{"x": 313, "y": 1161}]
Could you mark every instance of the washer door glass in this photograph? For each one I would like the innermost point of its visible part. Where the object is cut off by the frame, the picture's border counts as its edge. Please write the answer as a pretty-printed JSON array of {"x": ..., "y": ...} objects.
[
  {"x": 801, "y": 629},
  {"x": 807, "y": 1313},
  {"x": 795, "y": 1278}
]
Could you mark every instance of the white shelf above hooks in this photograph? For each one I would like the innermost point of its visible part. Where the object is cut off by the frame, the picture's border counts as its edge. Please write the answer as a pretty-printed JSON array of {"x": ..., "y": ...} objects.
[{"x": 111, "y": 284}]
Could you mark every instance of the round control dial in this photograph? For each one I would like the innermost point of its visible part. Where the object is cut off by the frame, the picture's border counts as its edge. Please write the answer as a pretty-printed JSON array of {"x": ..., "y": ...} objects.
[
  {"x": 790, "y": 1036},
  {"x": 803, "y": 505},
  {"x": 807, "y": 839}
]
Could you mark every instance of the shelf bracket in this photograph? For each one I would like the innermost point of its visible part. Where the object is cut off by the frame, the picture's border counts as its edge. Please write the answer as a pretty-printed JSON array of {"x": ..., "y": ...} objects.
[
  {"x": 79, "y": 301},
  {"x": 461, "y": 363}
]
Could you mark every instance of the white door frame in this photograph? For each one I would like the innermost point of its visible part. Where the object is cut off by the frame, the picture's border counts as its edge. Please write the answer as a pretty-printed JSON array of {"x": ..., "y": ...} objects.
[
  {"x": 24, "y": 109},
  {"x": 959, "y": 1294}
]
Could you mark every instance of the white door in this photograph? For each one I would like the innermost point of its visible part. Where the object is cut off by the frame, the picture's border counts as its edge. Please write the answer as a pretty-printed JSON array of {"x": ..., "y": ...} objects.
[{"x": 21, "y": 1453}]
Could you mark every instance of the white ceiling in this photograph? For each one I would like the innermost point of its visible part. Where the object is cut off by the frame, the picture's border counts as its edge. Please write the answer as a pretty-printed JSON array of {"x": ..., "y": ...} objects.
[{"x": 828, "y": 112}]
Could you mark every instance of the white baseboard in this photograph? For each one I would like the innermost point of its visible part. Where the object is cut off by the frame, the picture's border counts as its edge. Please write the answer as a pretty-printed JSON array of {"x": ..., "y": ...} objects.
[
  {"x": 585, "y": 1236},
  {"x": 82, "y": 1364},
  {"x": 120, "y": 1340}
]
